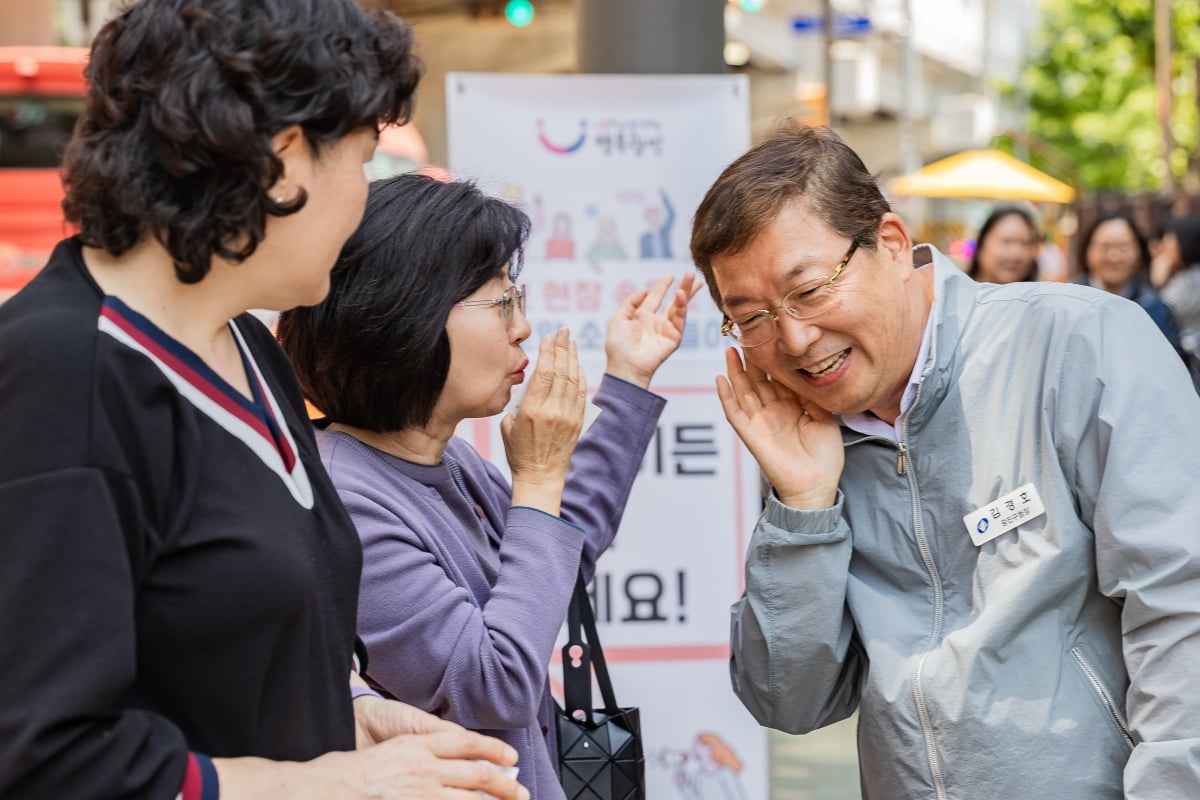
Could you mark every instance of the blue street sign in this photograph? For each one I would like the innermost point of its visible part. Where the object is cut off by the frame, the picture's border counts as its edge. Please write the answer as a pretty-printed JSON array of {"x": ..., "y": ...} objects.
[{"x": 843, "y": 25}]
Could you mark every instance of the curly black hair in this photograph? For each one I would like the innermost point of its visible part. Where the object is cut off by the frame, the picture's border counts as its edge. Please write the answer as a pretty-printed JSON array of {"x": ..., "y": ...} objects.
[{"x": 185, "y": 97}]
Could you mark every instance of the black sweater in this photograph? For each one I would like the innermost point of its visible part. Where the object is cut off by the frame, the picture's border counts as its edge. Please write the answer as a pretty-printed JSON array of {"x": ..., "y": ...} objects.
[{"x": 176, "y": 572}]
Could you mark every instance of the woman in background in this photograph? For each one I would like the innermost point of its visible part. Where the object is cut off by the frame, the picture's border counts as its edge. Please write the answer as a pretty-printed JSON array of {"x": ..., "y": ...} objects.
[
  {"x": 179, "y": 582},
  {"x": 1114, "y": 257},
  {"x": 1181, "y": 292},
  {"x": 1007, "y": 247},
  {"x": 466, "y": 576}
]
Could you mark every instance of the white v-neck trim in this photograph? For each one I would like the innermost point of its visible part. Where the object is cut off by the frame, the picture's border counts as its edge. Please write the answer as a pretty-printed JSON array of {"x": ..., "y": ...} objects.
[{"x": 296, "y": 480}]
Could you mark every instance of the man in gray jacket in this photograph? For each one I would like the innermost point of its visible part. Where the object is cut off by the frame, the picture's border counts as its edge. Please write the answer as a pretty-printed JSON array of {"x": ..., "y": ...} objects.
[{"x": 981, "y": 528}]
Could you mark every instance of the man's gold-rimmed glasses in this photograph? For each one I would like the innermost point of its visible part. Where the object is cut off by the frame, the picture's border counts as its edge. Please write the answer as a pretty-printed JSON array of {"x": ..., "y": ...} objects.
[{"x": 805, "y": 301}]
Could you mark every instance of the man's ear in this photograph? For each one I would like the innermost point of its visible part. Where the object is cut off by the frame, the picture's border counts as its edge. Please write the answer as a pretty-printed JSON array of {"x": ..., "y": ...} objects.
[
  {"x": 292, "y": 150},
  {"x": 894, "y": 241}
]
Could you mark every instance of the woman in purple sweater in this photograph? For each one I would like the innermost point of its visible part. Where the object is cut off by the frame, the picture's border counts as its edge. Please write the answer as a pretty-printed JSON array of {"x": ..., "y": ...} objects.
[{"x": 466, "y": 578}]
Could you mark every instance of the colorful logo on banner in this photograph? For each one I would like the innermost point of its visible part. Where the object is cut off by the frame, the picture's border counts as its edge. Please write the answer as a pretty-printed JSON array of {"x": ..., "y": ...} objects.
[
  {"x": 611, "y": 136},
  {"x": 562, "y": 149}
]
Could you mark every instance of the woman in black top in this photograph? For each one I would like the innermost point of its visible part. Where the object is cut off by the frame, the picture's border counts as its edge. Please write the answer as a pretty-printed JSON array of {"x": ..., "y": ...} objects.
[{"x": 179, "y": 580}]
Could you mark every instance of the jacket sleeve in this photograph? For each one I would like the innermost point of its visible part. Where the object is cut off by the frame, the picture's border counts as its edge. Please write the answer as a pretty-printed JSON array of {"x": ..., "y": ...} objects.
[
  {"x": 795, "y": 658},
  {"x": 1136, "y": 460},
  {"x": 68, "y": 648},
  {"x": 606, "y": 462},
  {"x": 431, "y": 645}
]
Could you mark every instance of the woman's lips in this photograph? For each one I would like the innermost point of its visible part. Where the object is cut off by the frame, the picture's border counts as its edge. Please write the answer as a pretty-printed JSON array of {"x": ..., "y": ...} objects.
[{"x": 519, "y": 372}]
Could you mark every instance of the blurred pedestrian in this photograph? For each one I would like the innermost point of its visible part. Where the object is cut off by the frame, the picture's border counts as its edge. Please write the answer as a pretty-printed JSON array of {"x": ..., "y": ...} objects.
[
  {"x": 1181, "y": 293},
  {"x": 1113, "y": 256},
  {"x": 1164, "y": 254},
  {"x": 179, "y": 583},
  {"x": 1006, "y": 249},
  {"x": 1166, "y": 260},
  {"x": 466, "y": 576},
  {"x": 977, "y": 532}
]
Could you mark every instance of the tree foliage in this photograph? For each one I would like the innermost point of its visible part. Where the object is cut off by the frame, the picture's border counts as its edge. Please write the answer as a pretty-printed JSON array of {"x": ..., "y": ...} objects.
[{"x": 1091, "y": 91}]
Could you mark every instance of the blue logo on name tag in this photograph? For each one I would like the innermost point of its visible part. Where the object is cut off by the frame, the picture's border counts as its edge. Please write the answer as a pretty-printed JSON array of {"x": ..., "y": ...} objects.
[{"x": 983, "y": 525}]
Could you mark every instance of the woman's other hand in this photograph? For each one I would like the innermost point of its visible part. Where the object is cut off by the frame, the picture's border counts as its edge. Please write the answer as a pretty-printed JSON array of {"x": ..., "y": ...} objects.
[
  {"x": 540, "y": 438},
  {"x": 377, "y": 719},
  {"x": 446, "y": 765},
  {"x": 639, "y": 338}
]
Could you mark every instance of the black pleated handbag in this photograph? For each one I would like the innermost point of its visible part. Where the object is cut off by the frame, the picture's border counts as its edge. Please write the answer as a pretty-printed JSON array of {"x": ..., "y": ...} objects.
[{"x": 599, "y": 750}]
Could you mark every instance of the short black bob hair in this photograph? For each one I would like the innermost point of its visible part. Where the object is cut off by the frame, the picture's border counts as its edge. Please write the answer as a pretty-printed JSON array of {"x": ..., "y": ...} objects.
[
  {"x": 374, "y": 354},
  {"x": 184, "y": 97},
  {"x": 998, "y": 214}
]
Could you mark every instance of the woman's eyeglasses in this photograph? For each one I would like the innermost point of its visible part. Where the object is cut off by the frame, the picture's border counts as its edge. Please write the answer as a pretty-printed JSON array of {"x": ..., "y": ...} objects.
[{"x": 512, "y": 301}]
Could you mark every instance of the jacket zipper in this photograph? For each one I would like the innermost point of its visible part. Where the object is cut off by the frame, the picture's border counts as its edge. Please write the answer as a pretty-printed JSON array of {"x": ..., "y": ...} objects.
[
  {"x": 1104, "y": 696},
  {"x": 919, "y": 531},
  {"x": 927, "y": 728}
]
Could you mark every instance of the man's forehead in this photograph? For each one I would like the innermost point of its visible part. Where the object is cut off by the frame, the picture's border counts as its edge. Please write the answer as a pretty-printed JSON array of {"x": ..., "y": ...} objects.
[{"x": 798, "y": 227}]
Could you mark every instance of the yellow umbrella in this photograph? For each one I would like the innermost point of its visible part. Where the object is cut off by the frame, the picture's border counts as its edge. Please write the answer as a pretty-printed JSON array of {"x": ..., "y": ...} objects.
[{"x": 988, "y": 174}]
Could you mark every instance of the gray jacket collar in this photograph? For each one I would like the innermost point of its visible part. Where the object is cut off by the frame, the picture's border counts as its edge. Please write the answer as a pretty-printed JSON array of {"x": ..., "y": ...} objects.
[{"x": 953, "y": 302}]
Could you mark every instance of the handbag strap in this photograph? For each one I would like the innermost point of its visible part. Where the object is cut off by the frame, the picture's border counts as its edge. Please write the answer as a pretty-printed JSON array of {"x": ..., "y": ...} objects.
[{"x": 577, "y": 680}]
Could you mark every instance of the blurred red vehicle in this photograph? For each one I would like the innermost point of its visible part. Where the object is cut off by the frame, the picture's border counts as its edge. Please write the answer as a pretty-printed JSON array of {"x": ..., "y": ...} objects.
[{"x": 41, "y": 96}]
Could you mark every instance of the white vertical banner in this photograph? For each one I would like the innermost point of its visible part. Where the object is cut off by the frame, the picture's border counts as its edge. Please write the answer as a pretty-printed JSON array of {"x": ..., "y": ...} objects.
[{"x": 610, "y": 170}]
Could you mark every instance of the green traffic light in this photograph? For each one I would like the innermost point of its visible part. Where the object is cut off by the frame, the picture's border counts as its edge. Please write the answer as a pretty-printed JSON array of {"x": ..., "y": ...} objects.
[
  {"x": 752, "y": 6},
  {"x": 519, "y": 13}
]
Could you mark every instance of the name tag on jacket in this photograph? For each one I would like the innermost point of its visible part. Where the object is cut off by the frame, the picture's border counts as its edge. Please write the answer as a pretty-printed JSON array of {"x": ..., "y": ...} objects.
[{"x": 1004, "y": 514}]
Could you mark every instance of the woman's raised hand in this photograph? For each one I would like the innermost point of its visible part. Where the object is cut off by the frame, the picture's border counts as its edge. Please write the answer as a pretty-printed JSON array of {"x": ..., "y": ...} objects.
[
  {"x": 540, "y": 438},
  {"x": 639, "y": 337}
]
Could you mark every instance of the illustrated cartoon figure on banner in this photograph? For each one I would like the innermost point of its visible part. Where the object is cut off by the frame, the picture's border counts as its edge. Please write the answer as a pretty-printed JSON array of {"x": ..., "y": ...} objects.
[
  {"x": 560, "y": 245},
  {"x": 606, "y": 247},
  {"x": 656, "y": 242},
  {"x": 709, "y": 770}
]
